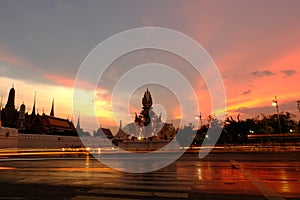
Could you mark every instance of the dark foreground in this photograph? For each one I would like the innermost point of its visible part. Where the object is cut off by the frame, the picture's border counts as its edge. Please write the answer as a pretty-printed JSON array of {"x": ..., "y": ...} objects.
[{"x": 219, "y": 176}]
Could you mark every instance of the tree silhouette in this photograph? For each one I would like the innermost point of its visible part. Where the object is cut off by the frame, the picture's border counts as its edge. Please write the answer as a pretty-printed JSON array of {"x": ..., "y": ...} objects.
[{"x": 236, "y": 131}]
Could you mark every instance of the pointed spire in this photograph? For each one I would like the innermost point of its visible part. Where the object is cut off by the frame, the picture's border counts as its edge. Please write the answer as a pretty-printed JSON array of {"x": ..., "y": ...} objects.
[
  {"x": 147, "y": 100},
  {"x": 120, "y": 127},
  {"x": 52, "y": 109},
  {"x": 34, "y": 101},
  {"x": 78, "y": 123},
  {"x": 11, "y": 98}
]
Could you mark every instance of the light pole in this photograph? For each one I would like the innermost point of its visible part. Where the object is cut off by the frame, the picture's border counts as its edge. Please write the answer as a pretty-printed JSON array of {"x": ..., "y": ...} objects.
[
  {"x": 275, "y": 103},
  {"x": 200, "y": 120},
  {"x": 298, "y": 105}
]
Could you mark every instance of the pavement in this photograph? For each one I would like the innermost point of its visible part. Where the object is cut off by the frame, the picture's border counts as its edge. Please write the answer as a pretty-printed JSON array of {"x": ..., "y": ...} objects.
[{"x": 246, "y": 175}]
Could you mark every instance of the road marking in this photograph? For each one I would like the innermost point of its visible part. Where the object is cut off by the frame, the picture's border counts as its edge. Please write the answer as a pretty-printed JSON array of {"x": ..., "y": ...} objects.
[
  {"x": 264, "y": 188},
  {"x": 235, "y": 165},
  {"x": 151, "y": 182},
  {"x": 145, "y": 187},
  {"x": 140, "y": 193},
  {"x": 120, "y": 192},
  {"x": 81, "y": 197},
  {"x": 172, "y": 195}
]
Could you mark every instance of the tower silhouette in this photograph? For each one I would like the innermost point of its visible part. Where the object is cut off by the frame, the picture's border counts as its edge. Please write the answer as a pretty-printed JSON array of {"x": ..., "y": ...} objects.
[
  {"x": 9, "y": 114},
  {"x": 52, "y": 109},
  {"x": 33, "y": 108}
]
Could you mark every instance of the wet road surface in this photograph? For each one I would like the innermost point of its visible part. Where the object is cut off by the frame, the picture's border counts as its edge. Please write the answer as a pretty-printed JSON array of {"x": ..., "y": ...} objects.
[{"x": 267, "y": 175}]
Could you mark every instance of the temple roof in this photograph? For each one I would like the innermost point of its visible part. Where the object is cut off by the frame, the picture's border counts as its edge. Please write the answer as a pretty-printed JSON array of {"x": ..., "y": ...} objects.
[
  {"x": 48, "y": 124},
  {"x": 106, "y": 131},
  {"x": 121, "y": 134}
]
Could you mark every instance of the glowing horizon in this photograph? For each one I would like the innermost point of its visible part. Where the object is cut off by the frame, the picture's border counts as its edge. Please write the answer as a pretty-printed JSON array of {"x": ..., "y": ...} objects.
[{"x": 257, "y": 55}]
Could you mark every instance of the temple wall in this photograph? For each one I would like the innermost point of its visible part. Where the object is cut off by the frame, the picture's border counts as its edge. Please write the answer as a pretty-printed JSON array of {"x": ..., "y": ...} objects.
[
  {"x": 8, "y": 137},
  {"x": 54, "y": 141},
  {"x": 47, "y": 141},
  {"x": 96, "y": 142}
]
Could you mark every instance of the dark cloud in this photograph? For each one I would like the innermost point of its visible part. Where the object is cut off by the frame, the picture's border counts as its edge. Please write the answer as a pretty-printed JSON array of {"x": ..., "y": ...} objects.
[
  {"x": 288, "y": 72},
  {"x": 246, "y": 92},
  {"x": 262, "y": 73}
]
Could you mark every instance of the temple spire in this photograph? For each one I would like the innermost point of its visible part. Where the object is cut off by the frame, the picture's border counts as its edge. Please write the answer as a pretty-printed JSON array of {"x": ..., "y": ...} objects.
[
  {"x": 78, "y": 123},
  {"x": 34, "y": 101},
  {"x": 11, "y": 98},
  {"x": 147, "y": 100},
  {"x": 120, "y": 127},
  {"x": 52, "y": 109}
]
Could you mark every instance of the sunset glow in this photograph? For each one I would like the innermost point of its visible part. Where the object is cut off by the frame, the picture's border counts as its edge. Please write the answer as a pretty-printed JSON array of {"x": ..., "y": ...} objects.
[{"x": 255, "y": 45}]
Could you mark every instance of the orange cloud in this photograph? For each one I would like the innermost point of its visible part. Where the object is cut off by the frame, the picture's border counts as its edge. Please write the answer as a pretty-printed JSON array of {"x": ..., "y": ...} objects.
[
  {"x": 289, "y": 60},
  {"x": 176, "y": 114},
  {"x": 276, "y": 78},
  {"x": 63, "y": 81},
  {"x": 68, "y": 82},
  {"x": 11, "y": 59}
]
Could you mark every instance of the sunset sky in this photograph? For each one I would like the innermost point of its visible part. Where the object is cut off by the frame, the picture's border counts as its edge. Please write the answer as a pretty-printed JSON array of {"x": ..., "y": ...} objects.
[{"x": 255, "y": 45}]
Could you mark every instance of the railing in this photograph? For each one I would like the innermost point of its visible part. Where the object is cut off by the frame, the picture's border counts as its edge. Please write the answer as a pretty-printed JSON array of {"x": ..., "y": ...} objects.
[{"x": 251, "y": 148}]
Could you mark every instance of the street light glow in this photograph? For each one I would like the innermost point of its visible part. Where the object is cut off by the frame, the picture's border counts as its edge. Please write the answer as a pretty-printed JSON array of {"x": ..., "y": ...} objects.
[{"x": 275, "y": 103}]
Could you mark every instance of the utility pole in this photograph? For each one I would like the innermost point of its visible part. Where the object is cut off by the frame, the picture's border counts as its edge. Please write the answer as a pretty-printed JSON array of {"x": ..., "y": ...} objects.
[
  {"x": 275, "y": 103},
  {"x": 200, "y": 120}
]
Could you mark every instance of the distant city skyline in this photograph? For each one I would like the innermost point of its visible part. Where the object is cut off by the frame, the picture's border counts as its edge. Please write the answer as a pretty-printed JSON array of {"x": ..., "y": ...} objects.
[{"x": 255, "y": 45}]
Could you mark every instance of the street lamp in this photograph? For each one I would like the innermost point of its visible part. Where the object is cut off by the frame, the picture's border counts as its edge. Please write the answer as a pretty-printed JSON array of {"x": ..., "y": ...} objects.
[
  {"x": 275, "y": 103},
  {"x": 200, "y": 120},
  {"x": 298, "y": 105}
]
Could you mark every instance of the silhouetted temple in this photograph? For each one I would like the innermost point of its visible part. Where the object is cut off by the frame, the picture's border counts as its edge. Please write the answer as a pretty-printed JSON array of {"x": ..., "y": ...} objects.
[
  {"x": 51, "y": 125},
  {"x": 121, "y": 134},
  {"x": 9, "y": 114},
  {"x": 144, "y": 118},
  {"x": 147, "y": 124},
  {"x": 80, "y": 130},
  {"x": 34, "y": 123},
  {"x": 102, "y": 132}
]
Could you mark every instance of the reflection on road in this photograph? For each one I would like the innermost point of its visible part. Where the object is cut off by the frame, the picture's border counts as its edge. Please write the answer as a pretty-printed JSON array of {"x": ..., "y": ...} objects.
[{"x": 188, "y": 177}]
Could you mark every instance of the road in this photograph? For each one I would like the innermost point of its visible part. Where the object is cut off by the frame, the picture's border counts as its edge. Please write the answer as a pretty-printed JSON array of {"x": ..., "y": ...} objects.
[{"x": 218, "y": 176}]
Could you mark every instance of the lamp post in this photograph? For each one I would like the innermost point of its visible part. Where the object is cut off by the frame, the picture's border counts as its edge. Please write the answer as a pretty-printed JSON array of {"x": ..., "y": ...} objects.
[
  {"x": 298, "y": 105},
  {"x": 275, "y": 103},
  {"x": 200, "y": 120}
]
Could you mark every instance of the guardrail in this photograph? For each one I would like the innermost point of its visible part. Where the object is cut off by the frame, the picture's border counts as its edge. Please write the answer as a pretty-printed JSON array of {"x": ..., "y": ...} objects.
[{"x": 250, "y": 148}]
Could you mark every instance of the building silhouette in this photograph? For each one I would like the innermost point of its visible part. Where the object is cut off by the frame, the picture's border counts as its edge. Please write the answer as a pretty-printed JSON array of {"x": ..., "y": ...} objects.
[
  {"x": 9, "y": 114},
  {"x": 80, "y": 130},
  {"x": 120, "y": 135},
  {"x": 104, "y": 133},
  {"x": 147, "y": 124},
  {"x": 34, "y": 123}
]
